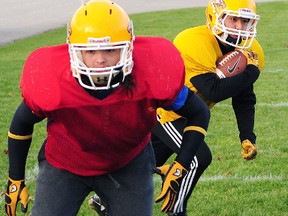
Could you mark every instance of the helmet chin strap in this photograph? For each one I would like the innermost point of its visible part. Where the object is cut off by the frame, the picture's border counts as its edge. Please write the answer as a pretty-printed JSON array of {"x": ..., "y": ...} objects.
[
  {"x": 233, "y": 40},
  {"x": 117, "y": 79},
  {"x": 229, "y": 39}
]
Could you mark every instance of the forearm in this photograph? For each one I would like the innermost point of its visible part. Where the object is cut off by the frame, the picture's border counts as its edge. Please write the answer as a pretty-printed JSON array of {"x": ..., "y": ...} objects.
[
  {"x": 198, "y": 115},
  {"x": 244, "y": 109},
  {"x": 217, "y": 90},
  {"x": 18, "y": 151}
]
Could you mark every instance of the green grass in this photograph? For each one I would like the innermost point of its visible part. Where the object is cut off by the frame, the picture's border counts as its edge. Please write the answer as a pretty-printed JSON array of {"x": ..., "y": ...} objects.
[{"x": 230, "y": 186}]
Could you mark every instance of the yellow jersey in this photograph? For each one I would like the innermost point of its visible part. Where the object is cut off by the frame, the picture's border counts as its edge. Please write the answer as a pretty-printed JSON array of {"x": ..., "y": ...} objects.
[{"x": 200, "y": 50}]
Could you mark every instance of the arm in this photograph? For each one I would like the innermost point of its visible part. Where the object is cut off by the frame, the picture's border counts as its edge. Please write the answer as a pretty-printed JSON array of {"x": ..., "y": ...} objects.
[
  {"x": 217, "y": 90},
  {"x": 193, "y": 108},
  {"x": 19, "y": 140},
  {"x": 240, "y": 88},
  {"x": 244, "y": 109},
  {"x": 198, "y": 115}
]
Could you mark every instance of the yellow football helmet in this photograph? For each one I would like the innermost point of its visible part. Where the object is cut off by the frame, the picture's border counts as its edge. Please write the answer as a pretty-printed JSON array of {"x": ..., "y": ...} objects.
[
  {"x": 100, "y": 25},
  {"x": 218, "y": 10}
]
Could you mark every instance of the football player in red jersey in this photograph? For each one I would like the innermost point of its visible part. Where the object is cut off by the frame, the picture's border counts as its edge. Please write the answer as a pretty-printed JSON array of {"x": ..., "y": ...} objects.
[
  {"x": 99, "y": 94},
  {"x": 230, "y": 25}
]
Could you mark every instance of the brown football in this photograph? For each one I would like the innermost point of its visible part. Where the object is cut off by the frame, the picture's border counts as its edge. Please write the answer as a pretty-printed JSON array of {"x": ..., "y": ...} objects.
[{"x": 231, "y": 64}]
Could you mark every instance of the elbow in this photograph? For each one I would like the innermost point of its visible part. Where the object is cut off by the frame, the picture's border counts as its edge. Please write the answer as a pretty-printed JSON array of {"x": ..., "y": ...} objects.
[
  {"x": 206, "y": 117},
  {"x": 202, "y": 115}
]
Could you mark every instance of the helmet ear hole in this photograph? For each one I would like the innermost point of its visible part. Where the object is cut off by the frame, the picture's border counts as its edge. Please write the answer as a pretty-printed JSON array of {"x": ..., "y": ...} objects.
[{"x": 210, "y": 18}]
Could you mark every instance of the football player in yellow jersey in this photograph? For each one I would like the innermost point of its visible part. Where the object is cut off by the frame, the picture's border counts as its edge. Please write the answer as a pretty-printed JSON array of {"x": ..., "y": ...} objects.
[{"x": 230, "y": 25}]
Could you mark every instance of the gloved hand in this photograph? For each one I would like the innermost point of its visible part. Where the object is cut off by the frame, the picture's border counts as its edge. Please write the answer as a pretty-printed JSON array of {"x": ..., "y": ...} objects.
[
  {"x": 249, "y": 150},
  {"x": 16, "y": 191},
  {"x": 163, "y": 170},
  {"x": 252, "y": 57},
  {"x": 174, "y": 175}
]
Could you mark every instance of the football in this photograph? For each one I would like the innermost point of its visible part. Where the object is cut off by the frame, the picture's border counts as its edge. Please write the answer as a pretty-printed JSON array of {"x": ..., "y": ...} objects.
[{"x": 231, "y": 64}]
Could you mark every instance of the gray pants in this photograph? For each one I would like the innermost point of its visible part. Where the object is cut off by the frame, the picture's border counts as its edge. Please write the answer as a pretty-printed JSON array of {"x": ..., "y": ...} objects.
[{"x": 125, "y": 192}]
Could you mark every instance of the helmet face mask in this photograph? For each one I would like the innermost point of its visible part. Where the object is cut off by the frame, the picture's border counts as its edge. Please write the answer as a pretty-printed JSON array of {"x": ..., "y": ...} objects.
[
  {"x": 100, "y": 25},
  {"x": 219, "y": 10},
  {"x": 101, "y": 78}
]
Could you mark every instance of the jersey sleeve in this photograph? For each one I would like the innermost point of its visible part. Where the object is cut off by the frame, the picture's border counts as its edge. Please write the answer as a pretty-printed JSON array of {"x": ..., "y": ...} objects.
[
  {"x": 180, "y": 100},
  {"x": 258, "y": 49},
  {"x": 33, "y": 73},
  {"x": 204, "y": 59},
  {"x": 40, "y": 79},
  {"x": 158, "y": 69}
]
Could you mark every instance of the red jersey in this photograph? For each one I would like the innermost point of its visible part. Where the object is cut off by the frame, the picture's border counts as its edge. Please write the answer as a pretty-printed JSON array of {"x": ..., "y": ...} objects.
[{"x": 88, "y": 136}]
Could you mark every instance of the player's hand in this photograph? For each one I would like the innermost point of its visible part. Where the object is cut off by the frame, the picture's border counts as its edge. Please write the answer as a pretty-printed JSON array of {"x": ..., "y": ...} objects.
[
  {"x": 16, "y": 191},
  {"x": 174, "y": 175},
  {"x": 252, "y": 57},
  {"x": 249, "y": 150},
  {"x": 163, "y": 170}
]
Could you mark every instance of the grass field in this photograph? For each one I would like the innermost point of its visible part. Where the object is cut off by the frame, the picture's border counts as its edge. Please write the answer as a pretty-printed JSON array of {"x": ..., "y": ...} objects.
[{"x": 230, "y": 186}]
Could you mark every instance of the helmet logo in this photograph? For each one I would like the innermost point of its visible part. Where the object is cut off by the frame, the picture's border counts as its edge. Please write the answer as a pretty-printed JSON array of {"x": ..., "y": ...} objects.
[
  {"x": 69, "y": 32},
  {"x": 246, "y": 11},
  {"x": 219, "y": 4},
  {"x": 105, "y": 40},
  {"x": 130, "y": 29},
  {"x": 232, "y": 69}
]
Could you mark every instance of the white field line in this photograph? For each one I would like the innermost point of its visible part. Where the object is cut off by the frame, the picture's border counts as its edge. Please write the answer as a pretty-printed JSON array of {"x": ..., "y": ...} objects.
[
  {"x": 281, "y": 104},
  {"x": 31, "y": 175},
  {"x": 271, "y": 70},
  {"x": 244, "y": 178},
  {"x": 255, "y": 178}
]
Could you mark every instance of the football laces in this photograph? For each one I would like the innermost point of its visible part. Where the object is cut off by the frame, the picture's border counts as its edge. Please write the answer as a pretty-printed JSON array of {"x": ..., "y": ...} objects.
[{"x": 228, "y": 58}]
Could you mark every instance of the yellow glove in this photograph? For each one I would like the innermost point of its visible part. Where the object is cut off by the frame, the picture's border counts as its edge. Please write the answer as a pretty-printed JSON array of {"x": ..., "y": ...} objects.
[
  {"x": 174, "y": 175},
  {"x": 163, "y": 170},
  {"x": 252, "y": 57},
  {"x": 16, "y": 191},
  {"x": 249, "y": 150}
]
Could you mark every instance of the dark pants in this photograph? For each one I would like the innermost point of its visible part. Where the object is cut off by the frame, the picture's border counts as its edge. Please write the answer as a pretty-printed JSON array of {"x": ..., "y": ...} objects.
[
  {"x": 166, "y": 140},
  {"x": 125, "y": 192}
]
